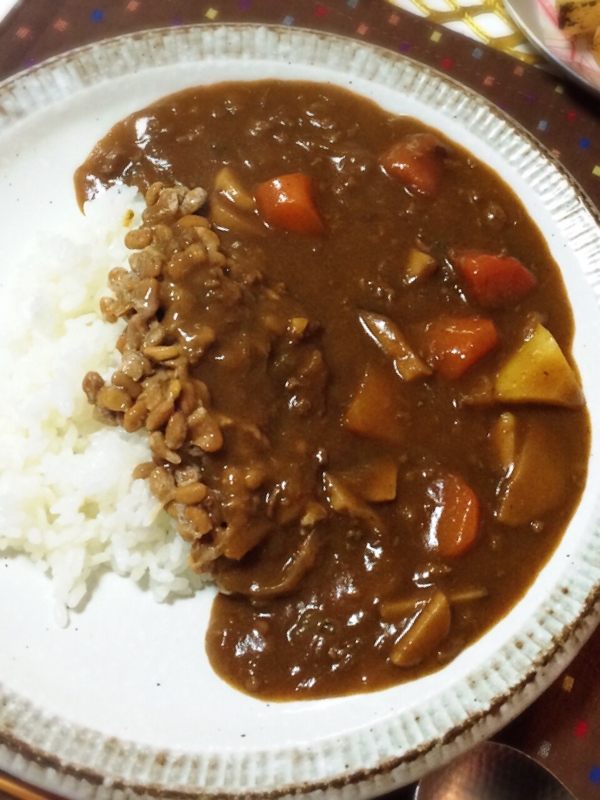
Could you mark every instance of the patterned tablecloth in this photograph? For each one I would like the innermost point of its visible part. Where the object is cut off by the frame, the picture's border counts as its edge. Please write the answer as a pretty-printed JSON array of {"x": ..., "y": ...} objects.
[{"x": 562, "y": 729}]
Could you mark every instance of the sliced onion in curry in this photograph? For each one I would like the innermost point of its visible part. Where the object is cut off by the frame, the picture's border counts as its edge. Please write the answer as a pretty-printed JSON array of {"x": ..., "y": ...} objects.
[{"x": 239, "y": 581}]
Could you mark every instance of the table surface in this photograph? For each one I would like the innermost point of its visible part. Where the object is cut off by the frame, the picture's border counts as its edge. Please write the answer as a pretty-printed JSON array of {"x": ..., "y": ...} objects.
[{"x": 561, "y": 729}]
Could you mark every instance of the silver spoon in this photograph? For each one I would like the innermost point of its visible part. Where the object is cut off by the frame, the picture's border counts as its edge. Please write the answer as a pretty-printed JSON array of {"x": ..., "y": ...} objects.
[{"x": 492, "y": 771}]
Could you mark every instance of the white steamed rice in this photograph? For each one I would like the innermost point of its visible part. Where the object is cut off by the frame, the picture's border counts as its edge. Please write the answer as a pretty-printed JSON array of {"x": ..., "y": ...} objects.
[{"x": 67, "y": 499}]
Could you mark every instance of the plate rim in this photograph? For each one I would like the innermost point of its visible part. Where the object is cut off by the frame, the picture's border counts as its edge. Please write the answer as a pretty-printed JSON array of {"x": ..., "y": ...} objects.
[{"x": 459, "y": 736}]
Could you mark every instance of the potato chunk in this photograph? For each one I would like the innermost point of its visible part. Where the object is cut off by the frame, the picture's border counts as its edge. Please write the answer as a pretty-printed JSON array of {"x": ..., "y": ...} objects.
[
  {"x": 424, "y": 633},
  {"x": 419, "y": 266},
  {"x": 536, "y": 481},
  {"x": 343, "y": 500},
  {"x": 538, "y": 372},
  {"x": 229, "y": 184},
  {"x": 375, "y": 482},
  {"x": 232, "y": 206},
  {"x": 504, "y": 441},
  {"x": 375, "y": 409}
]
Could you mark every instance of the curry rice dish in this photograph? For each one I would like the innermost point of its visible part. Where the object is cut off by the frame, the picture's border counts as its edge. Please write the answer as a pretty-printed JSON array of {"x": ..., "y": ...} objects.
[{"x": 349, "y": 349}]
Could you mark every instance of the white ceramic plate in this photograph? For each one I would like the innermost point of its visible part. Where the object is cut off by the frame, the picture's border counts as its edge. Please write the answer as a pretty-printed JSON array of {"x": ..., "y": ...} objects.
[
  {"x": 123, "y": 700},
  {"x": 538, "y": 20}
]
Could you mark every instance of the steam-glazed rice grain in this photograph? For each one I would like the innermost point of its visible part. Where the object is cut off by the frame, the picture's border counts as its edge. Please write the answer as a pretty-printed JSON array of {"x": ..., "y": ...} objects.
[{"x": 67, "y": 498}]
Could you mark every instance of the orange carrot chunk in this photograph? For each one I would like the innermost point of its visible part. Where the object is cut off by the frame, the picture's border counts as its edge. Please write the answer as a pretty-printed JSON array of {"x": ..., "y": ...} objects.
[
  {"x": 287, "y": 202},
  {"x": 453, "y": 344},
  {"x": 417, "y": 160},
  {"x": 454, "y": 521},
  {"x": 495, "y": 280}
]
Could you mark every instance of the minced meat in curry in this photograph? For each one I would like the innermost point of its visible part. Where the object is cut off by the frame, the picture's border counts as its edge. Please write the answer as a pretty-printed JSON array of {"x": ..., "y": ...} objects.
[{"x": 350, "y": 349}]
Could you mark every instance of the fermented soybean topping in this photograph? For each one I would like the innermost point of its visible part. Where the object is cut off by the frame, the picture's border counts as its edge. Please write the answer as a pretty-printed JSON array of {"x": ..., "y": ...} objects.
[{"x": 352, "y": 357}]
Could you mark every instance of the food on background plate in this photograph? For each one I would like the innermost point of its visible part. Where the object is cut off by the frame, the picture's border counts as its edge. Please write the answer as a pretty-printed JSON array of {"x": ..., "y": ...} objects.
[
  {"x": 343, "y": 357},
  {"x": 581, "y": 18}
]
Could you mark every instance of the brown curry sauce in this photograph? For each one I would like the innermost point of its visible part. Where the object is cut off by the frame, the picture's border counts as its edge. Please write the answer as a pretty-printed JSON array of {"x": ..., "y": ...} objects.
[{"x": 327, "y": 635}]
